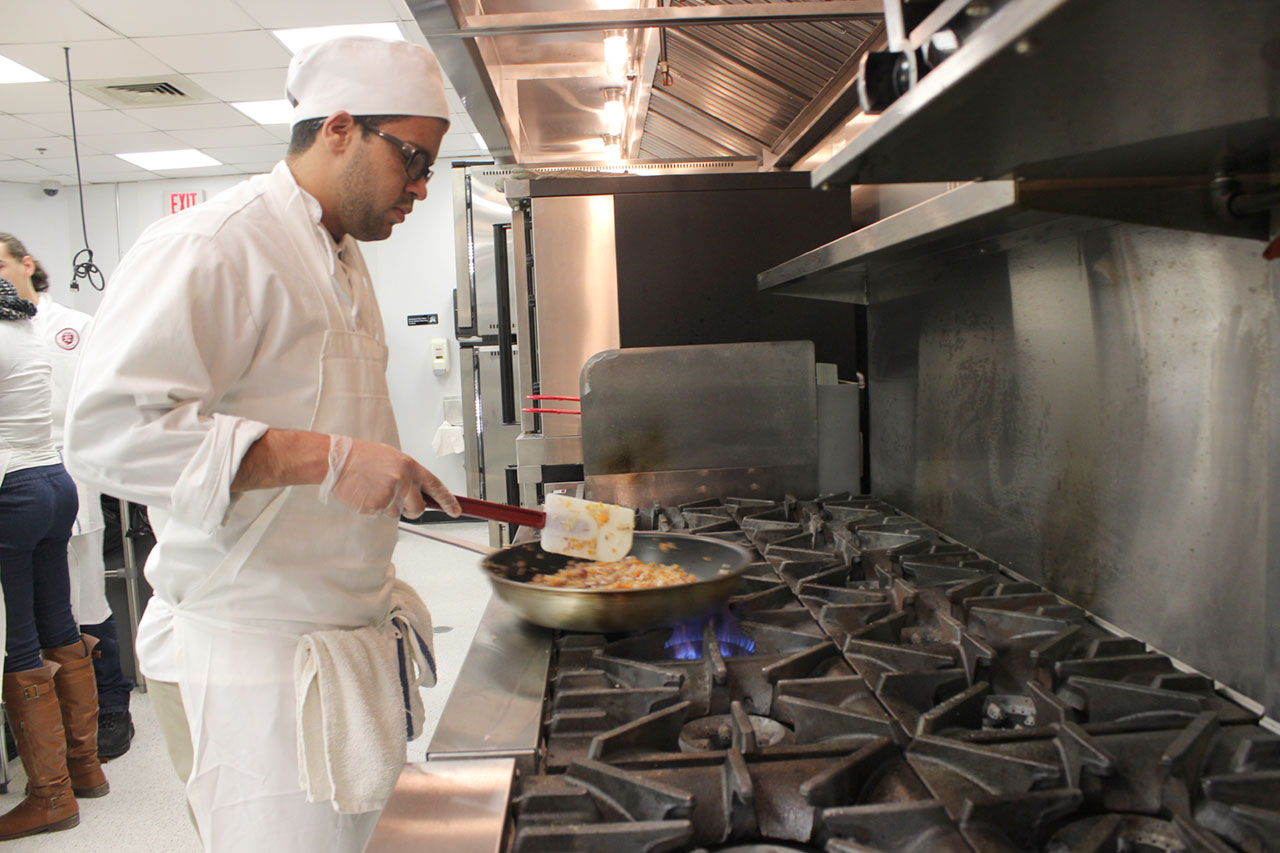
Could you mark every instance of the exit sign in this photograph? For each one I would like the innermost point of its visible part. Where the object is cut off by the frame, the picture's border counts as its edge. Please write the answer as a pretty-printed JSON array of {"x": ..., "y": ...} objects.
[{"x": 181, "y": 201}]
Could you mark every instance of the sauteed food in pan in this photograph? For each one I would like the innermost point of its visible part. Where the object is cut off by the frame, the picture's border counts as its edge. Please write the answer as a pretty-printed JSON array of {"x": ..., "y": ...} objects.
[{"x": 627, "y": 573}]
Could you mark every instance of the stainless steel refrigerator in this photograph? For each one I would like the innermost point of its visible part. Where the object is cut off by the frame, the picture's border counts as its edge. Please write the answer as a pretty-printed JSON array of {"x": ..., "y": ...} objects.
[{"x": 482, "y": 222}]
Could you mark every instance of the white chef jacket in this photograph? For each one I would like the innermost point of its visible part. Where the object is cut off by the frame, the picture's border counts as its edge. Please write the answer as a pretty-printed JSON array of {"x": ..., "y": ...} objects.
[
  {"x": 211, "y": 331},
  {"x": 64, "y": 330},
  {"x": 26, "y": 418}
]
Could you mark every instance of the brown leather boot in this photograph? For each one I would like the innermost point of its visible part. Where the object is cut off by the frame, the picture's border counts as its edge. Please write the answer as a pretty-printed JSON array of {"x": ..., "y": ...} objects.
[
  {"x": 36, "y": 720},
  {"x": 78, "y": 695}
]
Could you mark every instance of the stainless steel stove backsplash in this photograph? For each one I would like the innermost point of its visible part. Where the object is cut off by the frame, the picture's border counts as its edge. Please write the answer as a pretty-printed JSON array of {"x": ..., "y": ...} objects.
[{"x": 1097, "y": 411}]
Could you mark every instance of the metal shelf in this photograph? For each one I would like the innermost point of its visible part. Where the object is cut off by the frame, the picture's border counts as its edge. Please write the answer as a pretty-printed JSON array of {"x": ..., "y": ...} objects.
[
  {"x": 838, "y": 270},
  {"x": 1084, "y": 89}
]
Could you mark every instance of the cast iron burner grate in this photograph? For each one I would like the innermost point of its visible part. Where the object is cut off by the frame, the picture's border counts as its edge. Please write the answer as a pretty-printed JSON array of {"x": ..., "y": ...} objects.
[{"x": 878, "y": 686}]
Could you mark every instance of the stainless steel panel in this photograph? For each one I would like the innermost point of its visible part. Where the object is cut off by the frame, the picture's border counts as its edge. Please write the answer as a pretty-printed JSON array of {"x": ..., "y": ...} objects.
[
  {"x": 576, "y": 282},
  {"x": 455, "y": 805},
  {"x": 681, "y": 409},
  {"x": 479, "y": 204},
  {"x": 839, "y": 438},
  {"x": 1096, "y": 411},
  {"x": 1084, "y": 88},
  {"x": 1271, "y": 656},
  {"x": 533, "y": 451},
  {"x": 496, "y": 704},
  {"x": 643, "y": 488}
]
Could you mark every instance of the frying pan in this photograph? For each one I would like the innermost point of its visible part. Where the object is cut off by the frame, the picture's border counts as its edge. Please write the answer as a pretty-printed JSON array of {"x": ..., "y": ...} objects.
[{"x": 717, "y": 565}]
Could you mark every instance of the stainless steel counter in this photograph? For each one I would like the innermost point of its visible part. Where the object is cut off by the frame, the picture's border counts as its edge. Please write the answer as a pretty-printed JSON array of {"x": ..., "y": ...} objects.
[
  {"x": 495, "y": 708},
  {"x": 457, "y": 799},
  {"x": 459, "y": 805}
]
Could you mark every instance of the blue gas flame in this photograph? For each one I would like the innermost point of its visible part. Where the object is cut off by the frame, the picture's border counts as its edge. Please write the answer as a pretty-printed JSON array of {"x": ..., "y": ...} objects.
[{"x": 685, "y": 642}]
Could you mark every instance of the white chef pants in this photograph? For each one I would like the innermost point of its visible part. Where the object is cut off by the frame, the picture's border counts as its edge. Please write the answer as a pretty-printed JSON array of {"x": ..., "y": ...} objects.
[{"x": 238, "y": 694}]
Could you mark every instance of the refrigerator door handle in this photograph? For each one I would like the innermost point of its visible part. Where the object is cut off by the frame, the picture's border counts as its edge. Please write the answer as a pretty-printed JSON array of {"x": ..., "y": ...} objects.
[{"x": 505, "y": 339}]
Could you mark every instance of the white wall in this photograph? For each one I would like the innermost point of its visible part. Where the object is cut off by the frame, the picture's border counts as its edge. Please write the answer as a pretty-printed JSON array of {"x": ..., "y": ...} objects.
[{"x": 413, "y": 273}]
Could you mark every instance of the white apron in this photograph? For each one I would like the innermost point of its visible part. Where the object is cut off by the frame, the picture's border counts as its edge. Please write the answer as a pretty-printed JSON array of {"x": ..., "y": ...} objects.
[
  {"x": 84, "y": 561},
  {"x": 237, "y": 678}
]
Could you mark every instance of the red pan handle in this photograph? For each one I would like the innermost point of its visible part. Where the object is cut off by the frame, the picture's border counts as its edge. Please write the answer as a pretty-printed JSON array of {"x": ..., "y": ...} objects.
[{"x": 497, "y": 512}]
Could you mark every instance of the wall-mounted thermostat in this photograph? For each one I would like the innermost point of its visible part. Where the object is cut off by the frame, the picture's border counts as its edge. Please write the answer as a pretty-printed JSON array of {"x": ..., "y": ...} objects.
[{"x": 440, "y": 355}]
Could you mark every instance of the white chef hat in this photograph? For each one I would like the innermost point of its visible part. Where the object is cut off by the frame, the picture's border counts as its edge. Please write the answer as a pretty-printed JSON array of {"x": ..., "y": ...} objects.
[{"x": 365, "y": 76}]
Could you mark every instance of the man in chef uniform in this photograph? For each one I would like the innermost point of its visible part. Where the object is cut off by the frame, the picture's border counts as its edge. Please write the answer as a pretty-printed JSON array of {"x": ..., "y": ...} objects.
[{"x": 234, "y": 381}]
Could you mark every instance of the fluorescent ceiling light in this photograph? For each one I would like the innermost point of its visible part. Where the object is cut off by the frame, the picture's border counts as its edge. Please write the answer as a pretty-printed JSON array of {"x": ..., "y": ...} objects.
[
  {"x": 163, "y": 161},
  {"x": 480, "y": 141},
  {"x": 279, "y": 111},
  {"x": 297, "y": 39},
  {"x": 12, "y": 72}
]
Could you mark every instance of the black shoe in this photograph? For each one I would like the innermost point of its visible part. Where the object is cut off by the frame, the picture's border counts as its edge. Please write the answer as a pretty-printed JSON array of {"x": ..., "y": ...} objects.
[{"x": 115, "y": 733}]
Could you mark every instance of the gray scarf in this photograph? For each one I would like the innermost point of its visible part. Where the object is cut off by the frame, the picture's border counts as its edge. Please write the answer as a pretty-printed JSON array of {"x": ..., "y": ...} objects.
[{"x": 13, "y": 306}]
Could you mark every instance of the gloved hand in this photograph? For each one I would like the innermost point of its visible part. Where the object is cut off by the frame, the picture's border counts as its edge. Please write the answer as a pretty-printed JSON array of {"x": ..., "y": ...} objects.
[{"x": 376, "y": 478}]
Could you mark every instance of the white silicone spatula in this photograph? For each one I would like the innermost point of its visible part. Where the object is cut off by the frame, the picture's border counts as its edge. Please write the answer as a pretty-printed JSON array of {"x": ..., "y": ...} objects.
[{"x": 588, "y": 530}]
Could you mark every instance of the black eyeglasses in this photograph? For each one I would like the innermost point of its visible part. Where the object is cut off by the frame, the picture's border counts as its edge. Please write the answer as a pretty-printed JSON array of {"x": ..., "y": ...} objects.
[{"x": 416, "y": 160}]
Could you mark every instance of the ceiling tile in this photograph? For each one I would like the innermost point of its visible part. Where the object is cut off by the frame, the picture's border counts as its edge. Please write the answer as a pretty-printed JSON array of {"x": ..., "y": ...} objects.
[
  {"x": 259, "y": 168},
  {"x": 49, "y": 21},
  {"x": 90, "y": 60},
  {"x": 282, "y": 132},
  {"x": 203, "y": 172},
  {"x": 248, "y": 153},
  {"x": 98, "y": 121},
  {"x": 286, "y": 14},
  {"x": 54, "y": 146},
  {"x": 129, "y": 143},
  {"x": 225, "y": 137},
  {"x": 138, "y": 18},
  {"x": 90, "y": 167},
  {"x": 16, "y": 128},
  {"x": 219, "y": 51},
  {"x": 259, "y": 84},
  {"x": 11, "y": 170},
  {"x": 189, "y": 117},
  {"x": 21, "y": 98}
]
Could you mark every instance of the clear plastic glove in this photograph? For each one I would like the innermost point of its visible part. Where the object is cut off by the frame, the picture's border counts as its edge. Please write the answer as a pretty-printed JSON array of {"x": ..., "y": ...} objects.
[{"x": 374, "y": 478}]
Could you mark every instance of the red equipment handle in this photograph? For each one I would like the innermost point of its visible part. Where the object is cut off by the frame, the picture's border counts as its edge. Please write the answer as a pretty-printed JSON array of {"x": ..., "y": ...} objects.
[{"x": 497, "y": 512}]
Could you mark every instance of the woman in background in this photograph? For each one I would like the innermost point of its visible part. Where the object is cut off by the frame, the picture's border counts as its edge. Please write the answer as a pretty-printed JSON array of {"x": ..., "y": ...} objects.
[
  {"x": 52, "y": 701},
  {"x": 64, "y": 330}
]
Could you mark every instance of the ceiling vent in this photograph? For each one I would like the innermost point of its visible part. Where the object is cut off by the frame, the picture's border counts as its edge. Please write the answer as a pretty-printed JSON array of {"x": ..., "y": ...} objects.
[{"x": 134, "y": 92}]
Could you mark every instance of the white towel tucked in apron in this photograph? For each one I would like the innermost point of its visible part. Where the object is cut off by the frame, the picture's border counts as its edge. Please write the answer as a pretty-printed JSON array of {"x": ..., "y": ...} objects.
[{"x": 358, "y": 704}]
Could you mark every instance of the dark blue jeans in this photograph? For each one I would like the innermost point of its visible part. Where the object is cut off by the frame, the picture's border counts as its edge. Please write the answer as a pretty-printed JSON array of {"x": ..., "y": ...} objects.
[
  {"x": 113, "y": 686},
  {"x": 37, "y": 509}
]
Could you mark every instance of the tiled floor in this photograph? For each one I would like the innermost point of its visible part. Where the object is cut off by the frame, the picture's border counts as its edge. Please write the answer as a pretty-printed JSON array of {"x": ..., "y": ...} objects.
[{"x": 145, "y": 810}]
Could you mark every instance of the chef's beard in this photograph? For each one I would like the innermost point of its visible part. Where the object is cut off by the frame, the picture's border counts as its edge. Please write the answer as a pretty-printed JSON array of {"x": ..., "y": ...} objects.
[{"x": 363, "y": 217}]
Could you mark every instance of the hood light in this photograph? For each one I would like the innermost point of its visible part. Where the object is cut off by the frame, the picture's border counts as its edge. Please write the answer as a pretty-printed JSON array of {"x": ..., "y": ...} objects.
[
  {"x": 614, "y": 112},
  {"x": 616, "y": 54},
  {"x": 612, "y": 149}
]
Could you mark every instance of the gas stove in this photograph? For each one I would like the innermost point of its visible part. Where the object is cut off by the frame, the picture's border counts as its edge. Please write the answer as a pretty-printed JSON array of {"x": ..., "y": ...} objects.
[{"x": 877, "y": 685}]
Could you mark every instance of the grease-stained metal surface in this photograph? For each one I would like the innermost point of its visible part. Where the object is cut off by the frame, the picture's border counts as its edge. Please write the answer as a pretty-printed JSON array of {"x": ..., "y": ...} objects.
[{"x": 1094, "y": 412}]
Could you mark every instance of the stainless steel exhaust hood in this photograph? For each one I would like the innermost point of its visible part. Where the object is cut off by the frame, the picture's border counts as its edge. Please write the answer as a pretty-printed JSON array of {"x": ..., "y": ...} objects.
[{"x": 759, "y": 81}]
